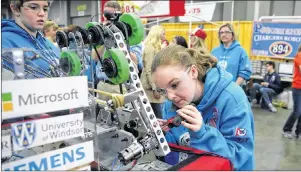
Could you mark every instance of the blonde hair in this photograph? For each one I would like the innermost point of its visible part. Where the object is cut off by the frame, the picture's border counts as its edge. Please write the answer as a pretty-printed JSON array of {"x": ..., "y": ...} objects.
[
  {"x": 178, "y": 55},
  {"x": 230, "y": 28},
  {"x": 50, "y": 24},
  {"x": 154, "y": 37},
  {"x": 199, "y": 43},
  {"x": 299, "y": 48}
]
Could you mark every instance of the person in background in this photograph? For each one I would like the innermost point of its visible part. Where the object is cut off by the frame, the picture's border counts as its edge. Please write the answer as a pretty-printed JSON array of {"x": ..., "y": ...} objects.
[
  {"x": 180, "y": 40},
  {"x": 270, "y": 86},
  {"x": 25, "y": 32},
  {"x": 49, "y": 31},
  {"x": 152, "y": 45},
  {"x": 136, "y": 53},
  {"x": 165, "y": 43},
  {"x": 221, "y": 122},
  {"x": 198, "y": 38},
  {"x": 232, "y": 56},
  {"x": 296, "y": 89}
]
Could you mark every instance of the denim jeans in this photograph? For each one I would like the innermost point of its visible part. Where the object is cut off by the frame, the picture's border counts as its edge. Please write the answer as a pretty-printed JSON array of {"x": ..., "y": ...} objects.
[
  {"x": 296, "y": 114},
  {"x": 264, "y": 91}
]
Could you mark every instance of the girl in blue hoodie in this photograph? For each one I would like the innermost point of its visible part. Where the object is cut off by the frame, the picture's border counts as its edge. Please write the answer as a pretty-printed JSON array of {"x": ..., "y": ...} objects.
[
  {"x": 231, "y": 56},
  {"x": 221, "y": 123},
  {"x": 25, "y": 32}
]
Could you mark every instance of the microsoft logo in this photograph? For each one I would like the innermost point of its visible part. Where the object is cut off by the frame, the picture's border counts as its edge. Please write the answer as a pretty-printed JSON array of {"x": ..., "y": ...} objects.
[{"x": 7, "y": 104}]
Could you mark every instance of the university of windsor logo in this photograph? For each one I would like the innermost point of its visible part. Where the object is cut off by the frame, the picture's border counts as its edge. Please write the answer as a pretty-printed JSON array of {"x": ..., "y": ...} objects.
[
  {"x": 7, "y": 104},
  {"x": 24, "y": 133}
]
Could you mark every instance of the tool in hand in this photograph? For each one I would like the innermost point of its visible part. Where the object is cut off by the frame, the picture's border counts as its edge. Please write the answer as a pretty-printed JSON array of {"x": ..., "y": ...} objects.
[{"x": 175, "y": 121}]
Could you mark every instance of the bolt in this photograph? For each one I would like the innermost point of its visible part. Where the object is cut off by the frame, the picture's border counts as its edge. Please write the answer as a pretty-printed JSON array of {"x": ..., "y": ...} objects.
[
  {"x": 20, "y": 75},
  {"x": 124, "y": 140},
  {"x": 19, "y": 61},
  {"x": 158, "y": 132},
  {"x": 115, "y": 136},
  {"x": 151, "y": 116}
]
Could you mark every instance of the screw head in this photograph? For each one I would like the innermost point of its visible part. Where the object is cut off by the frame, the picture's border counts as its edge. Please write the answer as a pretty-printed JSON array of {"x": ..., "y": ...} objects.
[
  {"x": 19, "y": 61},
  {"x": 20, "y": 75}
]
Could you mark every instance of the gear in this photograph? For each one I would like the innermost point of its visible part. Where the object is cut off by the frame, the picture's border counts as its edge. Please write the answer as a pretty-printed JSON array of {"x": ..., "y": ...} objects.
[
  {"x": 121, "y": 66},
  {"x": 136, "y": 33},
  {"x": 70, "y": 63}
]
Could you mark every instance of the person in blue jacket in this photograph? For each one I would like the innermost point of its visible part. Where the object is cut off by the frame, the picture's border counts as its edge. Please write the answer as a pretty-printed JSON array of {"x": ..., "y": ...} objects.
[
  {"x": 25, "y": 32},
  {"x": 231, "y": 55},
  {"x": 222, "y": 121}
]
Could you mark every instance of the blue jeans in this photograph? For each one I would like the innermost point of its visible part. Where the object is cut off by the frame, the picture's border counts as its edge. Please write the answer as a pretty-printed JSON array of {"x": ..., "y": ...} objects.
[
  {"x": 265, "y": 92},
  {"x": 296, "y": 114}
]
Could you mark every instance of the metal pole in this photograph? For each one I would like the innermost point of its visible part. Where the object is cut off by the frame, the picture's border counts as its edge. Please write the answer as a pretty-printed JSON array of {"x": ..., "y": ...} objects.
[
  {"x": 256, "y": 10},
  {"x": 279, "y": 17},
  {"x": 232, "y": 11},
  {"x": 190, "y": 25},
  {"x": 157, "y": 20},
  {"x": 99, "y": 11},
  {"x": 150, "y": 23}
]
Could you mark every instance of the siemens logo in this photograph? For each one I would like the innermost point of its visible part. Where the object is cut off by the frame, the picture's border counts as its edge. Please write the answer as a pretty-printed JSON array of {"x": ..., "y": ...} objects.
[
  {"x": 61, "y": 159},
  {"x": 32, "y": 99}
]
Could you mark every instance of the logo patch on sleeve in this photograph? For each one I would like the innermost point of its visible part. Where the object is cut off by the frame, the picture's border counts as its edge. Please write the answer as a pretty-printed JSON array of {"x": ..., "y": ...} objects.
[{"x": 240, "y": 132}]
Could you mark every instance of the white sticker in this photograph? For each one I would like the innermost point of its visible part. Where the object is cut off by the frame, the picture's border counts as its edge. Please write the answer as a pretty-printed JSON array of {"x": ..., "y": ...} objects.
[
  {"x": 81, "y": 13},
  {"x": 36, "y": 96},
  {"x": 6, "y": 146},
  {"x": 61, "y": 159},
  {"x": 43, "y": 131}
]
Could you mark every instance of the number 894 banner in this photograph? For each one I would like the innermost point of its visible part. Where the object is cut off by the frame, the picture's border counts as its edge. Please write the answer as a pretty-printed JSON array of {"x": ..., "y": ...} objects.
[{"x": 280, "y": 40}]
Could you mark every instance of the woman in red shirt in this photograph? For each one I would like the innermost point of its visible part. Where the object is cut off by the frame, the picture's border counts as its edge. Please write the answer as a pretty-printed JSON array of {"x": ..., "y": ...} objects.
[{"x": 296, "y": 88}]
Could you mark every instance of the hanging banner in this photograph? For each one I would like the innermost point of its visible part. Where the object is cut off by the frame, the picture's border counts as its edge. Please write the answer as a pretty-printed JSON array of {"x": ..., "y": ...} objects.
[
  {"x": 279, "y": 40},
  {"x": 150, "y": 9},
  {"x": 199, "y": 12}
]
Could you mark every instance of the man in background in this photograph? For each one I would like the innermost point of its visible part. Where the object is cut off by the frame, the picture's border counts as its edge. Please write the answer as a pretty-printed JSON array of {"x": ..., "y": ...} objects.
[{"x": 269, "y": 87}]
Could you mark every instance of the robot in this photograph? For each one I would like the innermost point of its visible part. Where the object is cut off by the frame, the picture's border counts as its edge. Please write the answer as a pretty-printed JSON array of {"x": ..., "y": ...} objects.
[{"x": 125, "y": 127}]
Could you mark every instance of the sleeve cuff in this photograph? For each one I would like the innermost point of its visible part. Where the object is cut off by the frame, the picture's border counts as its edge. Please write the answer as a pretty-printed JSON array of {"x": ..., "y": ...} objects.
[
  {"x": 244, "y": 76},
  {"x": 198, "y": 134}
]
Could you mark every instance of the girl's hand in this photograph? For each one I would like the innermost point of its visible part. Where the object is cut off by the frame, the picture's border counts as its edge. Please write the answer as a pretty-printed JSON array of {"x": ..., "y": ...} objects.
[
  {"x": 163, "y": 124},
  {"x": 193, "y": 117}
]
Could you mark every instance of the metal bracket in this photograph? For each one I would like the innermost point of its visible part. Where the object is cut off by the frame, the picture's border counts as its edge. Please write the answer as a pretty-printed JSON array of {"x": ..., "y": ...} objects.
[
  {"x": 18, "y": 61},
  {"x": 146, "y": 110}
]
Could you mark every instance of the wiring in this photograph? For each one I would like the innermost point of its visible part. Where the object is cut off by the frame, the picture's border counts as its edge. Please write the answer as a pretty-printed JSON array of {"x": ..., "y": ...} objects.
[{"x": 114, "y": 163}]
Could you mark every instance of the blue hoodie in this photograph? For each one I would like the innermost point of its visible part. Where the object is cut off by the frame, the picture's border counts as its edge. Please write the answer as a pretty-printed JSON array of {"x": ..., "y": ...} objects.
[
  {"x": 13, "y": 36},
  {"x": 228, "y": 123},
  {"x": 234, "y": 60}
]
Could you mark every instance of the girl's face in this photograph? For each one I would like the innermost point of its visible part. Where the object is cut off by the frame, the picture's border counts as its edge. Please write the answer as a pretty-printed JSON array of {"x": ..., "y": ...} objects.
[
  {"x": 33, "y": 14},
  {"x": 177, "y": 83},
  {"x": 163, "y": 36},
  {"x": 193, "y": 38}
]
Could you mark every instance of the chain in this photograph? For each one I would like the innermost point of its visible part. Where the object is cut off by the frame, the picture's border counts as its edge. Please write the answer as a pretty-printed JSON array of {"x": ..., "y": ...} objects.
[
  {"x": 10, "y": 69},
  {"x": 36, "y": 66},
  {"x": 28, "y": 68}
]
